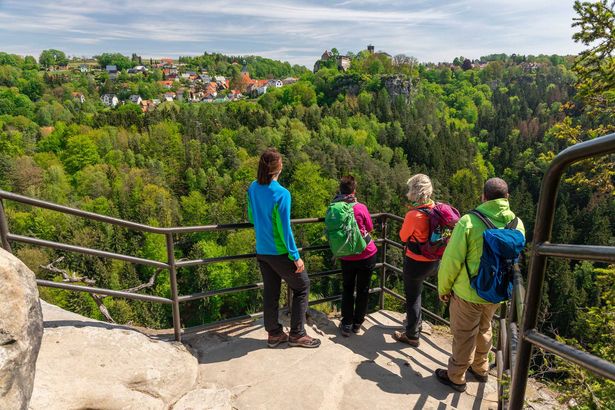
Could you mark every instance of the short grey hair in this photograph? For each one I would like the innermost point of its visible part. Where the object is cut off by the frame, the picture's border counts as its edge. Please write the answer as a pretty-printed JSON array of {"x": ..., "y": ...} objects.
[
  {"x": 495, "y": 188},
  {"x": 419, "y": 188}
]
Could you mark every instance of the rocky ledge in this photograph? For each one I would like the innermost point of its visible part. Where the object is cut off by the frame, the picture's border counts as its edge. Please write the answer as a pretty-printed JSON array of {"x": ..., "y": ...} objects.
[{"x": 87, "y": 364}]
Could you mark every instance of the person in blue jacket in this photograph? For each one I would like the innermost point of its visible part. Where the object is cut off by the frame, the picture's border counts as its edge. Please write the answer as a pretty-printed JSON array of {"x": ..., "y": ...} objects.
[{"x": 269, "y": 206}]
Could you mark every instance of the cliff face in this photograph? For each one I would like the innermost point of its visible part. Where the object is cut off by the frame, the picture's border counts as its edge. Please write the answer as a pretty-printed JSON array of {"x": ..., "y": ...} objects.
[
  {"x": 84, "y": 363},
  {"x": 21, "y": 330}
]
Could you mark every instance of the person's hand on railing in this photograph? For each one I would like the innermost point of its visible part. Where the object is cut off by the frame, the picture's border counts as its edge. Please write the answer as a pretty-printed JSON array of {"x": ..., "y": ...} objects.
[
  {"x": 300, "y": 265},
  {"x": 445, "y": 298}
]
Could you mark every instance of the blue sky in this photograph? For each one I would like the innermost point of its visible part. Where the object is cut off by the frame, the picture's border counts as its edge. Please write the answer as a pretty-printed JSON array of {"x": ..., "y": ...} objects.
[{"x": 431, "y": 30}]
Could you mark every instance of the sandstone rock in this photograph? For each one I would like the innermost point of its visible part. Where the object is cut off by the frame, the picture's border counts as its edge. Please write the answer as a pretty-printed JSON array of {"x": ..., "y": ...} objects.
[
  {"x": 212, "y": 398},
  {"x": 21, "y": 330},
  {"x": 84, "y": 363},
  {"x": 397, "y": 85}
]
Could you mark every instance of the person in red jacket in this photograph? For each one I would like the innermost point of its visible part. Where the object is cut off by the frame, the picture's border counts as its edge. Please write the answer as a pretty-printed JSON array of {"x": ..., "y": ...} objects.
[
  {"x": 356, "y": 269},
  {"x": 414, "y": 230}
]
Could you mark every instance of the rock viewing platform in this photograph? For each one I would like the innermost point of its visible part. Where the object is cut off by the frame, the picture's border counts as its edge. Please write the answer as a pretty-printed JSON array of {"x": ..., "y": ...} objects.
[{"x": 84, "y": 363}]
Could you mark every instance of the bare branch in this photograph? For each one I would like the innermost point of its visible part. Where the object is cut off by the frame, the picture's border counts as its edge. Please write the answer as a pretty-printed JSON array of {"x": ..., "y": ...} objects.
[
  {"x": 101, "y": 306},
  {"x": 66, "y": 274},
  {"x": 149, "y": 283}
]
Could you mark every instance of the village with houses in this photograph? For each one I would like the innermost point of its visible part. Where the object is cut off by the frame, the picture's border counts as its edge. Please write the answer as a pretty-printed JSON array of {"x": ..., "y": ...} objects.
[
  {"x": 177, "y": 84},
  {"x": 191, "y": 86}
]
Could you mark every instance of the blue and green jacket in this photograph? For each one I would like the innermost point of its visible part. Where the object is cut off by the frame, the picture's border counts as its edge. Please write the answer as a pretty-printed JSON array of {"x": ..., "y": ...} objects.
[{"x": 269, "y": 211}]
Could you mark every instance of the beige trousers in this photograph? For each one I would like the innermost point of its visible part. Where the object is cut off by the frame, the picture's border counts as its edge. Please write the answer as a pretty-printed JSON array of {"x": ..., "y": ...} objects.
[{"x": 471, "y": 328}]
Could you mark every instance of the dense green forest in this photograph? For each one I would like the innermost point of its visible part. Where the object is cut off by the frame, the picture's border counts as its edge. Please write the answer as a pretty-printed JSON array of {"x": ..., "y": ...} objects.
[{"x": 382, "y": 120}]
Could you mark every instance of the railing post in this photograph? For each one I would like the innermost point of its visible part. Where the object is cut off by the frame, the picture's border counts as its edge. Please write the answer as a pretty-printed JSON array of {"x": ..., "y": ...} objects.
[
  {"x": 383, "y": 272},
  {"x": 174, "y": 296},
  {"x": 4, "y": 230}
]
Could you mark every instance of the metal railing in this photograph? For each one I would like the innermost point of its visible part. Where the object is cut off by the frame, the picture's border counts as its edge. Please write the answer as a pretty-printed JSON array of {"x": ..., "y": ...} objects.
[
  {"x": 172, "y": 265},
  {"x": 518, "y": 328}
]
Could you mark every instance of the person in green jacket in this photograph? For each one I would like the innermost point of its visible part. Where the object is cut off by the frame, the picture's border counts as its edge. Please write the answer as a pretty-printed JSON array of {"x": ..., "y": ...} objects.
[{"x": 470, "y": 315}]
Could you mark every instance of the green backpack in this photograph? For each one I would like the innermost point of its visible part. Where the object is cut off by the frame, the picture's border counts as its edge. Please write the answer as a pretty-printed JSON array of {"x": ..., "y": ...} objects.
[{"x": 342, "y": 230}]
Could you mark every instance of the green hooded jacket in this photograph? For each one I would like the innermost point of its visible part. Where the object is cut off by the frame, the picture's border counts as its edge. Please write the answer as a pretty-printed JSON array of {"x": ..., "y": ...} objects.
[{"x": 467, "y": 242}]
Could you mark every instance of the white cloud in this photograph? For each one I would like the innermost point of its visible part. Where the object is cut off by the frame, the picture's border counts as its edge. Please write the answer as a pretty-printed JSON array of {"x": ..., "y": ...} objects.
[{"x": 291, "y": 30}]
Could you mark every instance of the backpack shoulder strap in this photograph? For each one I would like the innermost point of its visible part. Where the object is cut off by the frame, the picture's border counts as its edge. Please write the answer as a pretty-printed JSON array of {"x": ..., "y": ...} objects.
[
  {"x": 513, "y": 224},
  {"x": 424, "y": 211},
  {"x": 483, "y": 219}
]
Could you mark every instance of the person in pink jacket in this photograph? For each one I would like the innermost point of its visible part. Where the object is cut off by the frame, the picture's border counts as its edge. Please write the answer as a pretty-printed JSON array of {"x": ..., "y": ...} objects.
[{"x": 356, "y": 269}]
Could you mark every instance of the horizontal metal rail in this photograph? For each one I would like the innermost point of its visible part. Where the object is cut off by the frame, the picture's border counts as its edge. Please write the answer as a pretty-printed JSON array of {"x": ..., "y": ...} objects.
[
  {"x": 101, "y": 291},
  {"x": 400, "y": 271},
  {"x": 394, "y": 244},
  {"x": 87, "y": 251},
  {"x": 425, "y": 311},
  {"x": 244, "y": 288},
  {"x": 219, "y": 259},
  {"x": 220, "y": 292},
  {"x": 595, "y": 364},
  {"x": 580, "y": 252}
]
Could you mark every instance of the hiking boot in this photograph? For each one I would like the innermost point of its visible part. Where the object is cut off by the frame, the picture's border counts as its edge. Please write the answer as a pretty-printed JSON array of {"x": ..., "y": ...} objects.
[
  {"x": 481, "y": 378},
  {"x": 274, "y": 340},
  {"x": 356, "y": 328},
  {"x": 442, "y": 377},
  {"x": 403, "y": 338},
  {"x": 303, "y": 341},
  {"x": 345, "y": 329}
]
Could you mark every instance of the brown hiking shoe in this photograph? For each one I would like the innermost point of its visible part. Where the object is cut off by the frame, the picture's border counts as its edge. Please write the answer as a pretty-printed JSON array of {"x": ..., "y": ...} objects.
[
  {"x": 274, "y": 340},
  {"x": 403, "y": 338},
  {"x": 303, "y": 341}
]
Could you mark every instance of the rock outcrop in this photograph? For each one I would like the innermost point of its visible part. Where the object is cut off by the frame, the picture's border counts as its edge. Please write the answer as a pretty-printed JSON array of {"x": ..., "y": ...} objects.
[
  {"x": 84, "y": 363},
  {"x": 21, "y": 330},
  {"x": 398, "y": 85}
]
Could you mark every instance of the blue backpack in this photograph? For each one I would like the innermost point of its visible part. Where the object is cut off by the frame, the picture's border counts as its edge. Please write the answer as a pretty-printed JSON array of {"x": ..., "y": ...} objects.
[{"x": 501, "y": 249}]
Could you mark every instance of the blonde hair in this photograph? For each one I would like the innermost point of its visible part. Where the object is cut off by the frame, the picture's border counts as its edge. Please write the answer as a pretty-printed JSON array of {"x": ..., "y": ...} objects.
[{"x": 419, "y": 189}]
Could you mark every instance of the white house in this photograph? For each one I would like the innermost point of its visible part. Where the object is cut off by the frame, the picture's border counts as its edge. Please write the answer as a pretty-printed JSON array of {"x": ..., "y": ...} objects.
[
  {"x": 78, "y": 97},
  {"x": 169, "y": 96},
  {"x": 275, "y": 83},
  {"x": 135, "y": 98},
  {"x": 137, "y": 69},
  {"x": 110, "y": 100}
]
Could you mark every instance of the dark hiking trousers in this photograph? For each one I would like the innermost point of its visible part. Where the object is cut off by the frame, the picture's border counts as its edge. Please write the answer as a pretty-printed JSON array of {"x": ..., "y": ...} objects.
[
  {"x": 415, "y": 273},
  {"x": 274, "y": 268},
  {"x": 357, "y": 273}
]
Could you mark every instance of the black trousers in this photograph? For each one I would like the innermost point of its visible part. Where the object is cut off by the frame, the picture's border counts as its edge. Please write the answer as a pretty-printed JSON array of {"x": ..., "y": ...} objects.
[
  {"x": 359, "y": 274},
  {"x": 274, "y": 268},
  {"x": 415, "y": 273}
]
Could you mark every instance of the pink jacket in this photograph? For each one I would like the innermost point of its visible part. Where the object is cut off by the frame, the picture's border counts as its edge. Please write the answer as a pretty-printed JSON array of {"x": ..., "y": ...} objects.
[{"x": 364, "y": 220}]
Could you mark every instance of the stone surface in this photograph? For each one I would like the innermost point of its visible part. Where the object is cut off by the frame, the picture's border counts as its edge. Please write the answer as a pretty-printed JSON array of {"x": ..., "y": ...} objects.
[
  {"x": 365, "y": 371},
  {"x": 87, "y": 364},
  {"x": 397, "y": 85},
  {"x": 21, "y": 330},
  {"x": 212, "y": 398}
]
